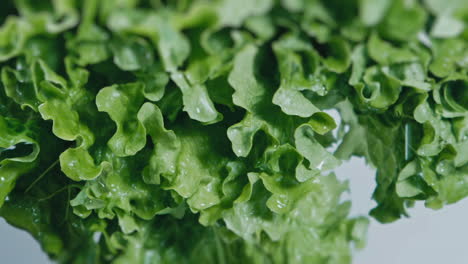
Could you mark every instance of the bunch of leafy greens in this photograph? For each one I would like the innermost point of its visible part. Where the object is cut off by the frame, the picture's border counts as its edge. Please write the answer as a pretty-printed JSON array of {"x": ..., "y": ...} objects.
[{"x": 193, "y": 131}]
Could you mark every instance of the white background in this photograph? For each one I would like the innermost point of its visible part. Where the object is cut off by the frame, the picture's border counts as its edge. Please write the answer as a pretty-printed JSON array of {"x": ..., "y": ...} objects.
[{"x": 428, "y": 237}]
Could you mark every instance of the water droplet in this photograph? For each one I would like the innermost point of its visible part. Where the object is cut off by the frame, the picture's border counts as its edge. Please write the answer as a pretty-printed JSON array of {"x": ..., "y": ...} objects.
[
  {"x": 280, "y": 204},
  {"x": 72, "y": 163}
]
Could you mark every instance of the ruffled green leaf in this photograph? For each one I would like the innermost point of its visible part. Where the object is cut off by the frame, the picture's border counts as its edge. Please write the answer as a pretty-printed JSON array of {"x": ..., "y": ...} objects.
[
  {"x": 173, "y": 47},
  {"x": 384, "y": 53},
  {"x": 379, "y": 90},
  {"x": 122, "y": 103},
  {"x": 449, "y": 56},
  {"x": 18, "y": 154},
  {"x": 319, "y": 159},
  {"x": 295, "y": 78},
  {"x": 132, "y": 54},
  {"x": 197, "y": 102},
  {"x": 233, "y": 12},
  {"x": 372, "y": 12},
  {"x": 166, "y": 144},
  {"x": 403, "y": 21}
]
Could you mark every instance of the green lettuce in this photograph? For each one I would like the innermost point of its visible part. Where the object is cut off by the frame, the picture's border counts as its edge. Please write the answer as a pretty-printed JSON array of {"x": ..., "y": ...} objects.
[{"x": 139, "y": 131}]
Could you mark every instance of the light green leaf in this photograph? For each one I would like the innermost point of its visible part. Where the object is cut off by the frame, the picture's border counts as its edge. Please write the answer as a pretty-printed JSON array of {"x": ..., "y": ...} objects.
[
  {"x": 197, "y": 102},
  {"x": 122, "y": 102}
]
